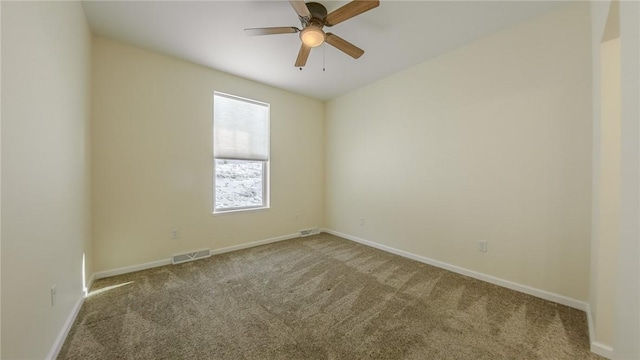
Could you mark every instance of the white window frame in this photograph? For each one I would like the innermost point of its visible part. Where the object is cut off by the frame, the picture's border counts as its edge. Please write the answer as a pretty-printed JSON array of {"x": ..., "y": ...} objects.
[{"x": 265, "y": 163}]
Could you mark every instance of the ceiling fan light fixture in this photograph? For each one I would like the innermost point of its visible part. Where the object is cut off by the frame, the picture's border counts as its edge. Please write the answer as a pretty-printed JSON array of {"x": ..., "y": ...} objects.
[{"x": 312, "y": 36}]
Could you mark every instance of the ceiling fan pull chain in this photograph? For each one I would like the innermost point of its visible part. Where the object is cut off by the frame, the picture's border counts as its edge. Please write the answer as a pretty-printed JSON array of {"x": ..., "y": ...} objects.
[{"x": 324, "y": 57}]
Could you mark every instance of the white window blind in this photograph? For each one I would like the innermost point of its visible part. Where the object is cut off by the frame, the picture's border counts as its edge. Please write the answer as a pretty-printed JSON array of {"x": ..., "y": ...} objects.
[{"x": 240, "y": 128}]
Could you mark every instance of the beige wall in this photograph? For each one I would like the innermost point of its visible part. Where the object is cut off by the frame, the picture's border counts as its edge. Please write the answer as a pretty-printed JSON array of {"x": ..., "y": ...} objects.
[
  {"x": 608, "y": 217},
  {"x": 604, "y": 27},
  {"x": 152, "y": 158},
  {"x": 489, "y": 142},
  {"x": 46, "y": 48},
  {"x": 615, "y": 278},
  {"x": 627, "y": 308},
  {"x": 0, "y": 187}
]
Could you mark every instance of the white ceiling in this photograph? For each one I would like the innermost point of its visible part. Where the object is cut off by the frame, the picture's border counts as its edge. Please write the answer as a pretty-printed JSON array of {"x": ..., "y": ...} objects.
[{"x": 395, "y": 36}]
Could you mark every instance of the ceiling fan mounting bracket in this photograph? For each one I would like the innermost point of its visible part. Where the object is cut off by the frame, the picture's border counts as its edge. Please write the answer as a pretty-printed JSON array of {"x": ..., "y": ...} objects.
[{"x": 304, "y": 21}]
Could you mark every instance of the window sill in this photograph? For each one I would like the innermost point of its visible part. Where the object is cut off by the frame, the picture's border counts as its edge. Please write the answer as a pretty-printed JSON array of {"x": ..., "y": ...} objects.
[{"x": 236, "y": 211}]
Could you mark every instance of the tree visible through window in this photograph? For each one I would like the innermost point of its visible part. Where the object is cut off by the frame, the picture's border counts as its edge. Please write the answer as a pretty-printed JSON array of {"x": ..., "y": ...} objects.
[{"x": 241, "y": 153}]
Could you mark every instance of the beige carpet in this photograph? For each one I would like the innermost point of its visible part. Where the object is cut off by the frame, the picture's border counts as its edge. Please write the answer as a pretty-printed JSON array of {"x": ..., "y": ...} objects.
[{"x": 320, "y": 297}]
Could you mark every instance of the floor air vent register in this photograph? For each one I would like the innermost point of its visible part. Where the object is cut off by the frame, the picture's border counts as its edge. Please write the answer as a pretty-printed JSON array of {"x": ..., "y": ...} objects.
[{"x": 182, "y": 258}]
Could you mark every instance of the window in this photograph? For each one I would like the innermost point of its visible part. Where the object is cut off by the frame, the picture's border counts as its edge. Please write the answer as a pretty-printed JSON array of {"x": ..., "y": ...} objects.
[{"x": 240, "y": 153}]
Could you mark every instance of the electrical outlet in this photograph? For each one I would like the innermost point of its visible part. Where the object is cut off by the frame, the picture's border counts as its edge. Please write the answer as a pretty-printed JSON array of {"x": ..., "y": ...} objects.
[
  {"x": 482, "y": 246},
  {"x": 362, "y": 222},
  {"x": 296, "y": 217},
  {"x": 53, "y": 295},
  {"x": 175, "y": 234}
]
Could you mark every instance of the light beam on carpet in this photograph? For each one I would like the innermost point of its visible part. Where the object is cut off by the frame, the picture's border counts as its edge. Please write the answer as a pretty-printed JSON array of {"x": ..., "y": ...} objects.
[
  {"x": 105, "y": 289},
  {"x": 84, "y": 278}
]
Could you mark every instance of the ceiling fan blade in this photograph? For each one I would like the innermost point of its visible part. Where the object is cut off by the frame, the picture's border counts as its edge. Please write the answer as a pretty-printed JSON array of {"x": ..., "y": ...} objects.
[
  {"x": 270, "y": 31},
  {"x": 344, "y": 46},
  {"x": 346, "y": 12},
  {"x": 301, "y": 8},
  {"x": 303, "y": 55}
]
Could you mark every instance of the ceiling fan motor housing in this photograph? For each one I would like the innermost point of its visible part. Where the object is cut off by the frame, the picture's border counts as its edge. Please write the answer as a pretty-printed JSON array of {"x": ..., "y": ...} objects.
[{"x": 318, "y": 14}]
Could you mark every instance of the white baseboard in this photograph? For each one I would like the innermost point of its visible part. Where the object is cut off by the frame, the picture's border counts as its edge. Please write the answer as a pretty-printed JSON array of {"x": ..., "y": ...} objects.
[
  {"x": 602, "y": 350},
  {"x": 597, "y": 347},
  {"x": 592, "y": 329},
  {"x": 153, "y": 264},
  {"x": 543, "y": 294},
  {"x": 130, "y": 269},
  {"x": 62, "y": 335},
  {"x": 254, "y": 244}
]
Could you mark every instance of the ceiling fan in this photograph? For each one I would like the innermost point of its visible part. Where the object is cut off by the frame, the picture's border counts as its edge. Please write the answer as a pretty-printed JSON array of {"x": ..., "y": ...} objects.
[{"x": 313, "y": 17}]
